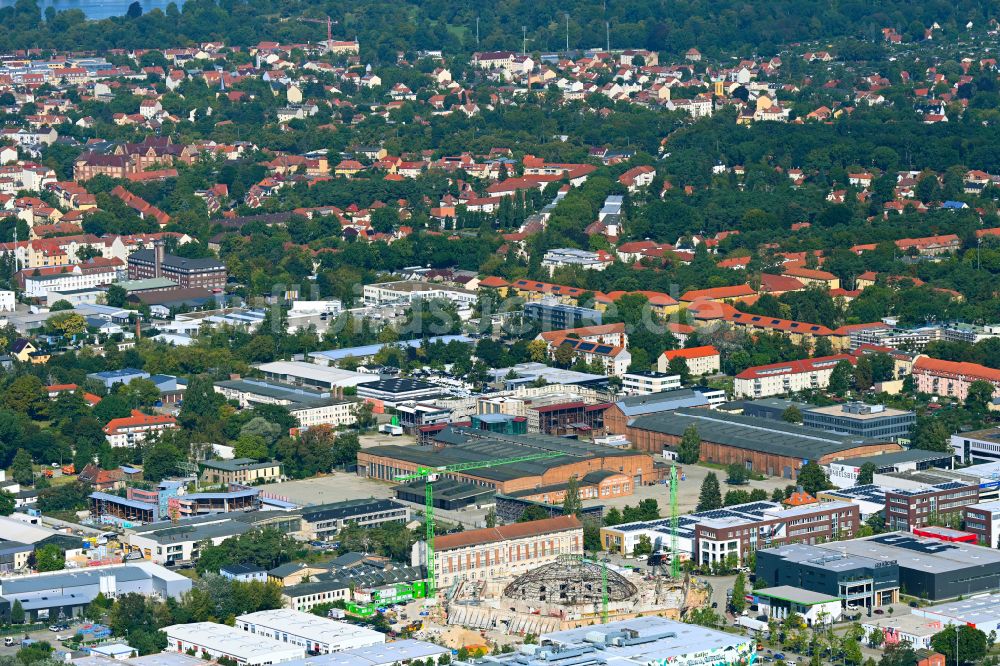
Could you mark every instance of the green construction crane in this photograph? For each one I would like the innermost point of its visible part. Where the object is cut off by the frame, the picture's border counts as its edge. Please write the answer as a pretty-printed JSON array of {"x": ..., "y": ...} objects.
[
  {"x": 430, "y": 474},
  {"x": 675, "y": 562}
]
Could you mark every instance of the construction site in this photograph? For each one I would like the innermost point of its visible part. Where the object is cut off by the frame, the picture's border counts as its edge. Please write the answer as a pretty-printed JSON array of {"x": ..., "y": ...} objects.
[{"x": 568, "y": 593}]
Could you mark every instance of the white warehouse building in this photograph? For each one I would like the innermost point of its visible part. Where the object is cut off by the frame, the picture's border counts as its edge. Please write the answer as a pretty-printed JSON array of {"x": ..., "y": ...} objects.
[
  {"x": 217, "y": 640},
  {"x": 311, "y": 632}
]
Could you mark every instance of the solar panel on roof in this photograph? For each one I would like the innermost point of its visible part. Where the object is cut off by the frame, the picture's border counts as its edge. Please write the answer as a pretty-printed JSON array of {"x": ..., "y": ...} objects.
[
  {"x": 755, "y": 319},
  {"x": 775, "y": 322},
  {"x": 814, "y": 328}
]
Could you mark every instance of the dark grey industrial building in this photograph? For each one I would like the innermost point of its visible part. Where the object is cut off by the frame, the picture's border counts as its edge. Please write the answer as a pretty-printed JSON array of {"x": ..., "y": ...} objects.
[
  {"x": 859, "y": 581},
  {"x": 557, "y": 316},
  {"x": 927, "y": 568},
  {"x": 862, "y": 420}
]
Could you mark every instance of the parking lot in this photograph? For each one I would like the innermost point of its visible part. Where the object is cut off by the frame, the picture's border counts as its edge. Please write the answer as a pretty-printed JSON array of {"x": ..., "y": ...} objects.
[
  {"x": 335, "y": 487},
  {"x": 42, "y": 634}
]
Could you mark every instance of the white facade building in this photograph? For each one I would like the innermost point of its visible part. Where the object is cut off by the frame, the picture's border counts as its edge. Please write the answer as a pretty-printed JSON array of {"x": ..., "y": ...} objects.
[
  {"x": 217, "y": 640},
  {"x": 645, "y": 383},
  {"x": 315, "y": 634},
  {"x": 408, "y": 291},
  {"x": 7, "y": 301},
  {"x": 595, "y": 261}
]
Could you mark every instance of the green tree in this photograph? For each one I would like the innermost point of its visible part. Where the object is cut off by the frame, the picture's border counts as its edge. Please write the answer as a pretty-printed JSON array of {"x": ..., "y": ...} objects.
[
  {"x": 710, "y": 496},
  {"x": 251, "y": 446},
  {"x": 533, "y": 512},
  {"x": 737, "y": 474},
  {"x": 972, "y": 644},
  {"x": 979, "y": 397},
  {"x": 50, "y": 558},
  {"x": 689, "y": 450},
  {"x": 930, "y": 434},
  {"x": 26, "y": 395},
  {"x": 840, "y": 378},
  {"x": 643, "y": 546},
  {"x": 867, "y": 473},
  {"x": 36, "y": 652},
  {"x": 21, "y": 469},
  {"x": 17, "y": 612},
  {"x": 678, "y": 366},
  {"x": 160, "y": 461},
  {"x": 491, "y": 517},
  {"x": 792, "y": 414},
  {"x": 852, "y": 651},
  {"x": 739, "y": 600},
  {"x": 572, "y": 505},
  {"x": 813, "y": 479},
  {"x": 116, "y": 296},
  {"x": 7, "y": 503}
]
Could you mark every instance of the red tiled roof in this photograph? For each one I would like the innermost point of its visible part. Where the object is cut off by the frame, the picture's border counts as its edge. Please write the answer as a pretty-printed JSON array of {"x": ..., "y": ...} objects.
[
  {"x": 506, "y": 532},
  {"x": 691, "y": 352},
  {"x": 795, "y": 367},
  {"x": 973, "y": 370}
]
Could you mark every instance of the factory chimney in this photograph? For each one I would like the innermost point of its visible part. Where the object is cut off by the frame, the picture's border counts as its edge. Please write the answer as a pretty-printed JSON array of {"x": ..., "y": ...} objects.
[{"x": 158, "y": 251}]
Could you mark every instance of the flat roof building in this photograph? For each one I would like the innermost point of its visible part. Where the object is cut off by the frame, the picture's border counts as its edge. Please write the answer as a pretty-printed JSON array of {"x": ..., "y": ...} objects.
[
  {"x": 844, "y": 473},
  {"x": 640, "y": 640},
  {"x": 324, "y": 521},
  {"x": 981, "y": 612},
  {"x": 856, "y": 580},
  {"x": 67, "y": 592},
  {"x": 213, "y": 641},
  {"x": 929, "y": 568},
  {"x": 315, "y": 634},
  {"x": 770, "y": 447},
  {"x": 862, "y": 420},
  {"x": 300, "y": 373},
  {"x": 384, "y": 654}
]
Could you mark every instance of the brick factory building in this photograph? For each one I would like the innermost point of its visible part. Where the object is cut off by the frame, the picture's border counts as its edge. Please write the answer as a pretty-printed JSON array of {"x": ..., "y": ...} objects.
[
  {"x": 501, "y": 552},
  {"x": 602, "y": 471},
  {"x": 770, "y": 447}
]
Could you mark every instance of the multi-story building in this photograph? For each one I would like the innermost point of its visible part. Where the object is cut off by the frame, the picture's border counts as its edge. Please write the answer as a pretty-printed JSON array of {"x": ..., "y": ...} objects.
[
  {"x": 96, "y": 272},
  {"x": 501, "y": 552},
  {"x": 322, "y": 522},
  {"x": 952, "y": 378},
  {"x": 782, "y": 378},
  {"x": 979, "y": 446},
  {"x": 311, "y": 407},
  {"x": 615, "y": 360},
  {"x": 203, "y": 273},
  {"x": 700, "y": 360},
  {"x": 983, "y": 520},
  {"x": 245, "y": 471},
  {"x": 603, "y": 334},
  {"x": 408, "y": 291},
  {"x": 552, "y": 315},
  {"x": 134, "y": 429},
  {"x": 856, "y": 579},
  {"x": 649, "y": 382},
  {"x": 710, "y": 537},
  {"x": 584, "y": 259},
  {"x": 863, "y": 420},
  {"x": 909, "y": 509}
]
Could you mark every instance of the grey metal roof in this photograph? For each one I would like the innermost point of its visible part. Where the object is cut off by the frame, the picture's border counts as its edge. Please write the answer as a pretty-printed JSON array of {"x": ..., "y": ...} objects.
[
  {"x": 347, "y": 509},
  {"x": 895, "y": 457},
  {"x": 748, "y": 432},
  {"x": 660, "y": 402}
]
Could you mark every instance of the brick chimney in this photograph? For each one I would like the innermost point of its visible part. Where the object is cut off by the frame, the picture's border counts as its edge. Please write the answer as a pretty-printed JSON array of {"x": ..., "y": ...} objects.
[{"x": 158, "y": 251}]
